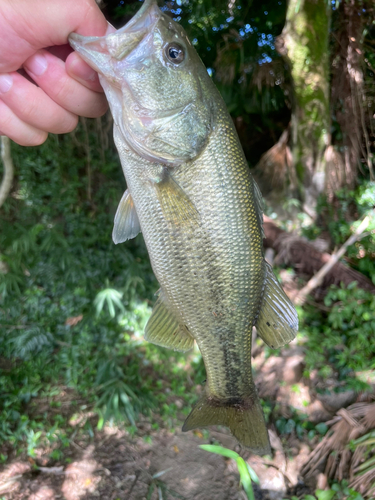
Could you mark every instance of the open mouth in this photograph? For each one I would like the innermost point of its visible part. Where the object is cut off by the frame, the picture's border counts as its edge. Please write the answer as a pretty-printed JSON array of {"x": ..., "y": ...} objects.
[{"x": 98, "y": 51}]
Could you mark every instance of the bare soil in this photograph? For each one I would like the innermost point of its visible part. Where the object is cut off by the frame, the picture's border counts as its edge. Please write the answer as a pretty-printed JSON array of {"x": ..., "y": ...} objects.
[
  {"x": 164, "y": 463},
  {"x": 115, "y": 466}
]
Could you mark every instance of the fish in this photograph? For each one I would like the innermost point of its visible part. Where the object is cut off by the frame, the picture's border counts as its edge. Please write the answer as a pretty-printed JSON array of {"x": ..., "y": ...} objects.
[{"x": 191, "y": 194}]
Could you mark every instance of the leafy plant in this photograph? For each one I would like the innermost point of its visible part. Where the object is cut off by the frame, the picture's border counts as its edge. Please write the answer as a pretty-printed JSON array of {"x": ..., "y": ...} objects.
[
  {"x": 69, "y": 299},
  {"x": 247, "y": 474},
  {"x": 363, "y": 470},
  {"x": 336, "y": 218},
  {"x": 119, "y": 393},
  {"x": 112, "y": 298},
  {"x": 341, "y": 339},
  {"x": 337, "y": 492}
]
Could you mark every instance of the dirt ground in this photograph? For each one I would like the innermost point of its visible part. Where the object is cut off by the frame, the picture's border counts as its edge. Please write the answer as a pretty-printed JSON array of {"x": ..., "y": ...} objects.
[
  {"x": 116, "y": 466},
  {"x": 160, "y": 464}
]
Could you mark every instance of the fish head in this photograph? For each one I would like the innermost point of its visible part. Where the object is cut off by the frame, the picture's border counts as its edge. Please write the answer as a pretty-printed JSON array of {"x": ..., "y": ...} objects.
[{"x": 160, "y": 94}]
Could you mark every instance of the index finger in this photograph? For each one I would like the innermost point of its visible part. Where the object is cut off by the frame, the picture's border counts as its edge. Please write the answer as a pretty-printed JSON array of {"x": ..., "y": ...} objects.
[{"x": 29, "y": 26}]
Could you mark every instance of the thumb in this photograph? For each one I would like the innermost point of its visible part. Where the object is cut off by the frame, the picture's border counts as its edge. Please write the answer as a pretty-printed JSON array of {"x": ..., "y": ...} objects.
[{"x": 27, "y": 26}]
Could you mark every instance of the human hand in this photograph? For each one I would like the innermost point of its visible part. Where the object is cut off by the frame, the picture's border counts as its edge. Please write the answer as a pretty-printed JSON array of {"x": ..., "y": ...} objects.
[{"x": 34, "y": 36}]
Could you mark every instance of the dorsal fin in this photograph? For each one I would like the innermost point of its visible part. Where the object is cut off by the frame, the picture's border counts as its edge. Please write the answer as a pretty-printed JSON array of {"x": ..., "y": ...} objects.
[{"x": 258, "y": 200}]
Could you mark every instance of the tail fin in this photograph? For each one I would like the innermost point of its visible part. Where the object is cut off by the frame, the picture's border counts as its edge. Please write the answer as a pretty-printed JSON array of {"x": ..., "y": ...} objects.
[{"x": 243, "y": 416}]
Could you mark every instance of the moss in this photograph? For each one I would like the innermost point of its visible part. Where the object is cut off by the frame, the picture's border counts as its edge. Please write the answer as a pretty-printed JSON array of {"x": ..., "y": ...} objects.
[{"x": 306, "y": 39}]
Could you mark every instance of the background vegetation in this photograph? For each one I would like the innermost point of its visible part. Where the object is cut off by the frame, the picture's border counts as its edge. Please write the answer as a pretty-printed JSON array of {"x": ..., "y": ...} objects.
[{"x": 73, "y": 305}]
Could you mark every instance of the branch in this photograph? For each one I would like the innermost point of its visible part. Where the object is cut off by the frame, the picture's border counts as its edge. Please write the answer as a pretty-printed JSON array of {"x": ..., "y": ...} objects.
[
  {"x": 8, "y": 169},
  {"x": 318, "y": 278}
]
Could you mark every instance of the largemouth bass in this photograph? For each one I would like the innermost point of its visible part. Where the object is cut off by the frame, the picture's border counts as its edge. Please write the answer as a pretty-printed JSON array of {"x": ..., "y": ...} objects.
[{"x": 191, "y": 194}]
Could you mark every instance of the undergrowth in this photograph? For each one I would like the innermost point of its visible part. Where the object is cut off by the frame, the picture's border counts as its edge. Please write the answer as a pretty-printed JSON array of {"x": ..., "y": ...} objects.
[
  {"x": 339, "y": 339},
  {"x": 73, "y": 307},
  {"x": 72, "y": 304},
  {"x": 338, "y": 334},
  {"x": 336, "y": 218}
]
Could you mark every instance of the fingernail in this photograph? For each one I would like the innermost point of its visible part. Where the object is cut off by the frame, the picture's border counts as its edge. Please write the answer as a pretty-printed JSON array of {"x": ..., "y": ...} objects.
[
  {"x": 37, "y": 64},
  {"x": 6, "y": 82},
  {"x": 110, "y": 29}
]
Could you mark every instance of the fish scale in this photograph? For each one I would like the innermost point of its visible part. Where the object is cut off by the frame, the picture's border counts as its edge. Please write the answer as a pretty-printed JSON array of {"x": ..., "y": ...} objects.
[
  {"x": 223, "y": 256},
  {"x": 191, "y": 194}
]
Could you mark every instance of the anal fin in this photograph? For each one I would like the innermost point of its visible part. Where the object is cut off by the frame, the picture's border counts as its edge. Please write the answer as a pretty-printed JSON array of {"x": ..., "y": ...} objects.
[
  {"x": 277, "y": 323},
  {"x": 164, "y": 329},
  {"x": 126, "y": 225},
  {"x": 177, "y": 207}
]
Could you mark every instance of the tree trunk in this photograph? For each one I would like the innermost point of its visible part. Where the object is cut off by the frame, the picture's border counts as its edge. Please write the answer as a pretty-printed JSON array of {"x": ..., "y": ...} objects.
[
  {"x": 348, "y": 97},
  {"x": 304, "y": 45}
]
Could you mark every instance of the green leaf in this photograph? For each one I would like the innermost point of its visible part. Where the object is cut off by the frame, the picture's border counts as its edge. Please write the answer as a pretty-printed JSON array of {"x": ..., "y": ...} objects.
[
  {"x": 321, "y": 428},
  {"x": 253, "y": 475},
  {"x": 246, "y": 472},
  {"x": 324, "y": 494},
  {"x": 150, "y": 491},
  {"x": 245, "y": 478},
  {"x": 115, "y": 401},
  {"x": 100, "y": 423},
  {"x": 220, "y": 451}
]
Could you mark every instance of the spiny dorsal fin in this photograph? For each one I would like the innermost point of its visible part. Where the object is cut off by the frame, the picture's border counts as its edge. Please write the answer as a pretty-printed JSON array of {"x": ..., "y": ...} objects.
[
  {"x": 126, "y": 224},
  {"x": 164, "y": 328},
  {"x": 258, "y": 199},
  {"x": 277, "y": 323},
  {"x": 176, "y": 205}
]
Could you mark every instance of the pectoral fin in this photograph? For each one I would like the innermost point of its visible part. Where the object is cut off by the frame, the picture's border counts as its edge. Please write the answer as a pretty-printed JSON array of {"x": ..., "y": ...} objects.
[
  {"x": 164, "y": 328},
  {"x": 277, "y": 323},
  {"x": 126, "y": 224},
  {"x": 176, "y": 205}
]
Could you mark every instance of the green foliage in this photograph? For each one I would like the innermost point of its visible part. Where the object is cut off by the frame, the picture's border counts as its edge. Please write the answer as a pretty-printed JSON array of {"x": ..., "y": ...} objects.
[
  {"x": 299, "y": 425},
  {"x": 112, "y": 298},
  {"x": 341, "y": 339},
  {"x": 339, "y": 336},
  {"x": 247, "y": 474},
  {"x": 117, "y": 392},
  {"x": 337, "y": 219},
  {"x": 338, "y": 491},
  {"x": 365, "y": 447},
  {"x": 319, "y": 495},
  {"x": 72, "y": 305}
]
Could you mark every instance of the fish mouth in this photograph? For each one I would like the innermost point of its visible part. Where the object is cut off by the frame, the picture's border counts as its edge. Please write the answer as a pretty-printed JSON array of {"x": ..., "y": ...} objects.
[{"x": 98, "y": 51}]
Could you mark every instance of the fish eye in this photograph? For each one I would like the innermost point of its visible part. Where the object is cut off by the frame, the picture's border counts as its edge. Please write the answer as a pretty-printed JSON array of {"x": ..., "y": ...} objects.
[{"x": 175, "y": 53}]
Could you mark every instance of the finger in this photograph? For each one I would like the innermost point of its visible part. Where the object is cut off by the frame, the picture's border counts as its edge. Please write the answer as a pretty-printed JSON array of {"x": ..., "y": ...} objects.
[
  {"x": 34, "y": 107},
  {"x": 17, "y": 130},
  {"x": 81, "y": 71},
  {"x": 60, "y": 51},
  {"x": 24, "y": 33},
  {"x": 50, "y": 74}
]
